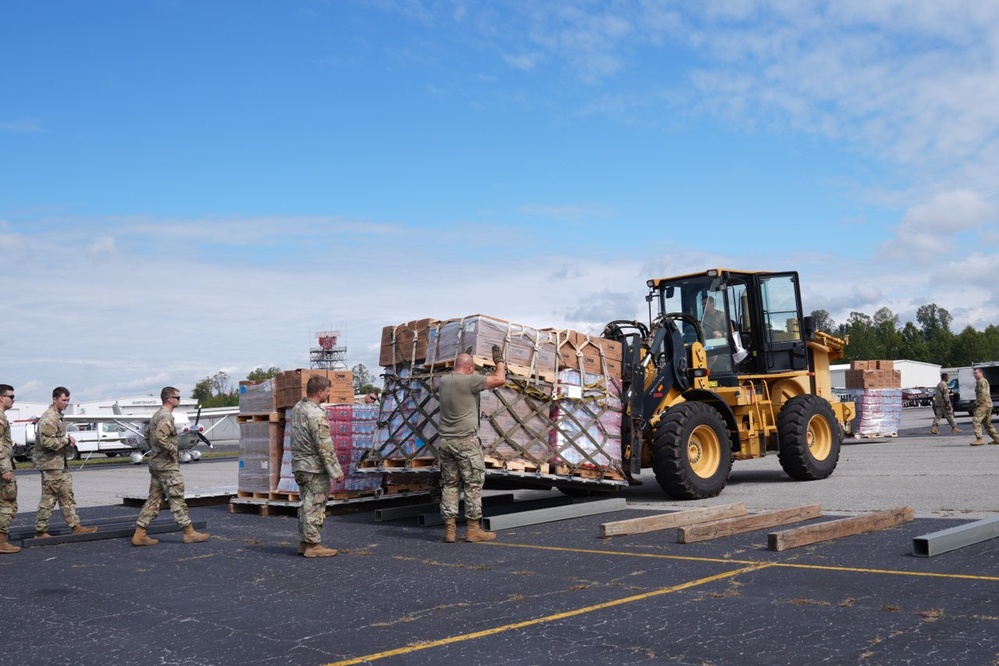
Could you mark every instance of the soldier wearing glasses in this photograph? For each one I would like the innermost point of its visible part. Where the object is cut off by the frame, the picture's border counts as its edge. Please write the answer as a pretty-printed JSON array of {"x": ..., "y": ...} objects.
[
  {"x": 164, "y": 472},
  {"x": 8, "y": 481}
]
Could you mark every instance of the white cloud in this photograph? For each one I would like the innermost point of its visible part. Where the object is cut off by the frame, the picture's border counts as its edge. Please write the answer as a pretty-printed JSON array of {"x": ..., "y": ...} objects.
[{"x": 23, "y": 126}]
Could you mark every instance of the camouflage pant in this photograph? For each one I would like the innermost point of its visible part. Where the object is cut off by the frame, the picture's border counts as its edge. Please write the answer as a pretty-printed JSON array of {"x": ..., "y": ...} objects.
[
  {"x": 167, "y": 485},
  {"x": 462, "y": 469},
  {"x": 983, "y": 417},
  {"x": 57, "y": 488},
  {"x": 8, "y": 503},
  {"x": 314, "y": 489},
  {"x": 942, "y": 412}
]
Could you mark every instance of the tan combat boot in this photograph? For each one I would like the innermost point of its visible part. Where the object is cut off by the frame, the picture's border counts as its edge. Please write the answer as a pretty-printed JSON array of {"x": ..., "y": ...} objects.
[
  {"x": 955, "y": 429},
  {"x": 190, "y": 536},
  {"x": 995, "y": 440},
  {"x": 475, "y": 533},
  {"x": 44, "y": 534},
  {"x": 7, "y": 547},
  {"x": 140, "y": 538},
  {"x": 318, "y": 550},
  {"x": 80, "y": 529},
  {"x": 934, "y": 431},
  {"x": 978, "y": 442},
  {"x": 450, "y": 530},
  {"x": 301, "y": 547}
]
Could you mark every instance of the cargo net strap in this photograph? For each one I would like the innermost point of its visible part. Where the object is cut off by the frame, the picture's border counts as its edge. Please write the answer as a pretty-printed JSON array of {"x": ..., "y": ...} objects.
[
  {"x": 524, "y": 348},
  {"x": 572, "y": 344},
  {"x": 400, "y": 342},
  {"x": 586, "y": 426},
  {"x": 407, "y": 430},
  {"x": 526, "y": 426}
]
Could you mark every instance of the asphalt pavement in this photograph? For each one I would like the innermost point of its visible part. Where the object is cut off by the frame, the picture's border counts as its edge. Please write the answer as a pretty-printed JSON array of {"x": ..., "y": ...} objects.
[{"x": 550, "y": 593}]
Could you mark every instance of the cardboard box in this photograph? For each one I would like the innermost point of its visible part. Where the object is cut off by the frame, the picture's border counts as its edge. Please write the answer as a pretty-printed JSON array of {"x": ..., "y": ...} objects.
[
  {"x": 588, "y": 354},
  {"x": 292, "y": 384},
  {"x": 406, "y": 343},
  {"x": 526, "y": 350},
  {"x": 257, "y": 397}
]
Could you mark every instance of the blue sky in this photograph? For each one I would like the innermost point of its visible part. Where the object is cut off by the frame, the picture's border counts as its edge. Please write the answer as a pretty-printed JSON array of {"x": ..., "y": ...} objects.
[{"x": 188, "y": 187}]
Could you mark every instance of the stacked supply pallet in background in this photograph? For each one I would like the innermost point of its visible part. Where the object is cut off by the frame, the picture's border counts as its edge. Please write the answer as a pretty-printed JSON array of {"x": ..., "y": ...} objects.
[
  {"x": 875, "y": 389},
  {"x": 352, "y": 430},
  {"x": 262, "y": 418},
  {"x": 261, "y": 431}
]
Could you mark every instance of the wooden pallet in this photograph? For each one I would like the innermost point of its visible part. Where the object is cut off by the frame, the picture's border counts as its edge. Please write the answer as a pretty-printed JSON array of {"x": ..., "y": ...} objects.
[
  {"x": 398, "y": 488},
  {"x": 874, "y": 435},
  {"x": 273, "y": 417},
  {"x": 247, "y": 494},
  {"x": 588, "y": 473},
  {"x": 263, "y": 507}
]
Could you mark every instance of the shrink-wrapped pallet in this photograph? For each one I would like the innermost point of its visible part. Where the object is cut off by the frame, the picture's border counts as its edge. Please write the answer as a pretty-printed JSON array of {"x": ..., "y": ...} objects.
[
  {"x": 257, "y": 397},
  {"x": 527, "y": 351},
  {"x": 260, "y": 448},
  {"x": 351, "y": 430},
  {"x": 586, "y": 422},
  {"x": 879, "y": 411},
  {"x": 515, "y": 425}
]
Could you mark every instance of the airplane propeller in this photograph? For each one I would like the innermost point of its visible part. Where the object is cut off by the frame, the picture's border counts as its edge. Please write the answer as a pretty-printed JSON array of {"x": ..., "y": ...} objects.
[{"x": 200, "y": 430}]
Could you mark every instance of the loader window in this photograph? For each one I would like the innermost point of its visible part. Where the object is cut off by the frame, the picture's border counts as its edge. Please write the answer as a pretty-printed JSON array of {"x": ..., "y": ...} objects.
[
  {"x": 782, "y": 324},
  {"x": 780, "y": 307}
]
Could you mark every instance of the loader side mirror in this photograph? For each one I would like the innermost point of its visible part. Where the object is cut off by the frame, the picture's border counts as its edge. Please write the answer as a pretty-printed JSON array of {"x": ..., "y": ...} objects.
[{"x": 808, "y": 328}]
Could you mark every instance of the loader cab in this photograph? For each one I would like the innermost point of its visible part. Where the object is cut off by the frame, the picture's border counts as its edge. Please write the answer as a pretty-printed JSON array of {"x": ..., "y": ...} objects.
[{"x": 750, "y": 323}]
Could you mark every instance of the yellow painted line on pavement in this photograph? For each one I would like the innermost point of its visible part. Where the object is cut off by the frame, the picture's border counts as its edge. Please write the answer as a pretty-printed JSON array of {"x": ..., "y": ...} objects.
[
  {"x": 549, "y": 618},
  {"x": 786, "y": 565}
]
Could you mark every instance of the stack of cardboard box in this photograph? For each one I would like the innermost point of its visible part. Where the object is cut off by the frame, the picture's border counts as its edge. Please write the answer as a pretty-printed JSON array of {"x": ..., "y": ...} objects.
[
  {"x": 873, "y": 375},
  {"x": 263, "y": 407}
]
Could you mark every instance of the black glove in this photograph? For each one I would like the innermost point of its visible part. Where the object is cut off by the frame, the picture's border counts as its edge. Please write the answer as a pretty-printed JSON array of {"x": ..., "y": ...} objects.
[{"x": 497, "y": 354}]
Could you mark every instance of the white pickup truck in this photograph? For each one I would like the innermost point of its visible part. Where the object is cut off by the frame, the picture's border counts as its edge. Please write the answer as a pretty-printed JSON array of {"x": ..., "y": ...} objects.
[{"x": 108, "y": 438}]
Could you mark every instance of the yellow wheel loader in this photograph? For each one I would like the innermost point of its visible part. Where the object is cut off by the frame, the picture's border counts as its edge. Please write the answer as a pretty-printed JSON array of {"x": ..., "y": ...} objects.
[{"x": 727, "y": 369}]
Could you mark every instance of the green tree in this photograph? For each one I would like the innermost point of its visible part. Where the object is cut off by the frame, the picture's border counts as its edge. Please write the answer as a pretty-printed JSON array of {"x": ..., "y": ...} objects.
[
  {"x": 888, "y": 339},
  {"x": 215, "y": 391},
  {"x": 823, "y": 322},
  {"x": 863, "y": 341},
  {"x": 364, "y": 381},
  {"x": 259, "y": 374}
]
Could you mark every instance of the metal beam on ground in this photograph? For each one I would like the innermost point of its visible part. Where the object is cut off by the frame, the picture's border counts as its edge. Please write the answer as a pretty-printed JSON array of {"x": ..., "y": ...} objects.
[
  {"x": 416, "y": 509},
  {"x": 953, "y": 538},
  {"x": 435, "y": 518},
  {"x": 553, "y": 514}
]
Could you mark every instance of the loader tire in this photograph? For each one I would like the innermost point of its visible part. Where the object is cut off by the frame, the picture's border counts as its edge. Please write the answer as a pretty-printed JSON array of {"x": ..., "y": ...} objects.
[
  {"x": 809, "y": 437},
  {"x": 691, "y": 453}
]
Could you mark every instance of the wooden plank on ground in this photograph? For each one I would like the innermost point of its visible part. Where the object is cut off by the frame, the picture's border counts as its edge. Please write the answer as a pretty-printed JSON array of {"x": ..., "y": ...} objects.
[
  {"x": 834, "y": 529},
  {"x": 759, "y": 521},
  {"x": 665, "y": 521}
]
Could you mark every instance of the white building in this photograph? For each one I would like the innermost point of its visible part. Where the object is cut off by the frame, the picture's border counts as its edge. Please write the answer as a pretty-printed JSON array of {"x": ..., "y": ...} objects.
[{"x": 914, "y": 374}]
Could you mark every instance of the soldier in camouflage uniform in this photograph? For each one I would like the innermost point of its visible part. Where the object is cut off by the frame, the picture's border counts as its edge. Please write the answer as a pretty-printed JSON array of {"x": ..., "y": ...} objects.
[
  {"x": 942, "y": 406},
  {"x": 314, "y": 464},
  {"x": 51, "y": 446},
  {"x": 165, "y": 480},
  {"x": 8, "y": 481},
  {"x": 983, "y": 410},
  {"x": 459, "y": 448}
]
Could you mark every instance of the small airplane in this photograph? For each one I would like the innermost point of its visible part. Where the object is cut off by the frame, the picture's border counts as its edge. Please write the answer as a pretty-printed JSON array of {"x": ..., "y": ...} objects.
[{"x": 118, "y": 434}]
